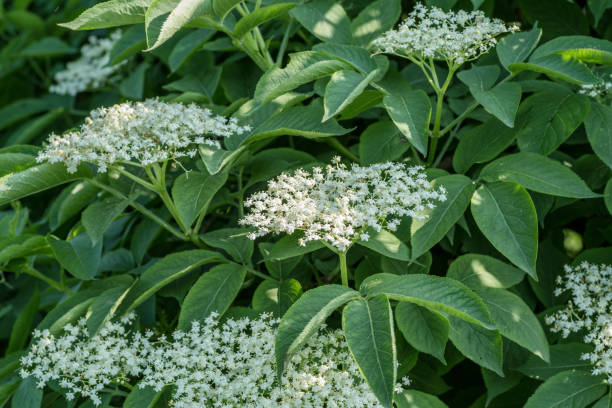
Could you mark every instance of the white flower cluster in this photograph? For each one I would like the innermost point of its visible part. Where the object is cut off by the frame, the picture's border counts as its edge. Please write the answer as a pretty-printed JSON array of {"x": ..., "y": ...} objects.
[
  {"x": 144, "y": 132},
  {"x": 590, "y": 309},
  {"x": 91, "y": 70},
  {"x": 430, "y": 32},
  {"x": 338, "y": 204},
  {"x": 598, "y": 90},
  {"x": 81, "y": 364},
  {"x": 212, "y": 365}
]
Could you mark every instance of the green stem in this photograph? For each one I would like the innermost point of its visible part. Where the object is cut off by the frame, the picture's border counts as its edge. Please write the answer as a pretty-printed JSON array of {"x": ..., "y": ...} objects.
[
  {"x": 343, "y": 268},
  {"x": 134, "y": 178},
  {"x": 159, "y": 181},
  {"x": 339, "y": 147},
  {"x": 284, "y": 42},
  {"x": 25, "y": 268},
  {"x": 240, "y": 194},
  {"x": 259, "y": 274},
  {"x": 439, "y": 104}
]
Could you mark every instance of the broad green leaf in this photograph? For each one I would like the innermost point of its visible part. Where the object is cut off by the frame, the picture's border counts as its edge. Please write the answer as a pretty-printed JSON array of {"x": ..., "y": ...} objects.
[
  {"x": 478, "y": 271},
  {"x": 427, "y": 232},
  {"x": 418, "y": 399},
  {"x": 342, "y": 89},
  {"x": 547, "y": 119},
  {"x": 223, "y": 7},
  {"x": 557, "y": 18},
  {"x": 164, "y": 271},
  {"x": 164, "y": 18},
  {"x": 442, "y": 295},
  {"x": 516, "y": 47},
  {"x": 79, "y": 255},
  {"x": 28, "y": 394},
  {"x": 23, "y": 108},
  {"x": 104, "y": 306},
  {"x": 187, "y": 46},
  {"x": 368, "y": 328},
  {"x": 368, "y": 99},
  {"x": 598, "y": 124},
  {"x": 515, "y": 320},
  {"x": 304, "y": 121},
  {"x": 575, "y": 389},
  {"x": 133, "y": 85},
  {"x": 203, "y": 82},
  {"x": 381, "y": 142},
  {"x": 19, "y": 184},
  {"x": 98, "y": 216},
  {"x": 357, "y": 57},
  {"x": 111, "y": 13},
  {"x": 260, "y": 16},
  {"x": 480, "y": 345},
  {"x": 387, "y": 244},
  {"x": 76, "y": 197},
  {"x": 598, "y": 7},
  {"x": 497, "y": 385},
  {"x": 480, "y": 78},
  {"x": 303, "y": 67},
  {"x": 14, "y": 161},
  {"x": 213, "y": 292},
  {"x": 411, "y": 113},
  {"x": 304, "y": 318},
  {"x": 192, "y": 193},
  {"x": 142, "y": 397},
  {"x": 35, "y": 127},
  {"x": 271, "y": 162},
  {"x": 537, "y": 173},
  {"x": 23, "y": 324},
  {"x": 289, "y": 247},
  {"x": 216, "y": 159},
  {"x": 608, "y": 196},
  {"x": 563, "y": 67},
  {"x": 606, "y": 401},
  {"x": 48, "y": 47},
  {"x": 378, "y": 17},
  {"x": 567, "y": 356},
  {"x": 7, "y": 389},
  {"x": 132, "y": 41},
  {"x": 502, "y": 101},
  {"x": 481, "y": 144},
  {"x": 423, "y": 329},
  {"x": 234, "y": 241},
  {"x": 325, "y": 19},
  {"x": 276, "y": 297},
  {"x": 280, "y": 270},
  {"x": 23, "y": 246},
  {"x": 506, "y": 215},
  {"x": 582, "y": 47}
]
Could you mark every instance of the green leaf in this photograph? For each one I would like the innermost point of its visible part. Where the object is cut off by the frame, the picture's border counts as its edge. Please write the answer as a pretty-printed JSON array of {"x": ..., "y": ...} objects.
[
  {"x": 368, "y": 328},
  {"x": 34, "y": 179},
  {"x": 575, "y": 389},
  {"x": 142, "y": 397},
  {"x": 608, "y": 196},
  {"x": 304, "y": 318},
  {"x": 502, "y": 101},
  {"x": 442, "y": 295},
  {"x": 23, "y": 246},
  {"x": 480, "y": 78},
  {"x": 23, "y": 324},
  {"x": 164, "y": 271},
  {"x": 132, "y": 41},
  {"x": 598, "y": 7},
  {"x": 557, "y": 18},
  {"x": 538, "y": 173},
  {"x": 598, "y": 124},
  {"x": 357, "y": 57},
  {"x": 506, "y": 215},
  {"x": 605, "y": 402},
  {"x": 104, "y": 306},
  {"x": 289, "y": 247},
  {"x": 214, "y": 291},
  {"x": 192, "y": 193},
  {"x": 187, "y": 47},
  {"x": 111, "y": 13},
  {"x": 204, "y": 82},
  {"x": 35, "y": 127},
  {"x": 164, "y": 18},
  {"x": 78, "y": 195},
  {"x": 581, "y": 47},
  {"x": 325, "y": 19},
  {"x": 24, "y": 108},
  {"x": 427, "y": 232},
  {"x": 223, "y": 7},
  {"x": 566, "y": 67},
  {"x": 303, "y": 67},
  {"x": 516, "y": 47},
  {"x": 342, "y": 89},
  {"x": 276, "y": 297},
  {"x": 260, "y": 16},
  {"x": 7, "y": 389},
  {"x": 497, "y": 385},
  {"x": 98, "y": 216},
  {"x": 411, "y": 113},
  {"x": 481, "y": 144},
  {"x": 478, "y": 271},
  {"x": 28, "y": 394},
  {"x": 133, "y": 86},
  {"x": 232, "y": 240},
  {"x": 271, "y": 162},
  {"x": 378, "y": 17},
  {"x": 79, "y": 256},
  {"x": 547, "y": 119},
  {"x": 567, "y": 356},
  {"x": 47, "y": 47},
  {"x": 480, "y": 345},
  {"x": 387, "y": 244},
  {"x": 418, "y": 399},
  {"x": 381, "y": 142},
  {"x": 515, "y": 320},
  {"x": 423, "y": 329}
]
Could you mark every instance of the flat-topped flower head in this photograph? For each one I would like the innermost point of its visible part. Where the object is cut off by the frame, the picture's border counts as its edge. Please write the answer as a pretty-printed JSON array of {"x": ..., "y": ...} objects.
[
  {"x": 338, "y": 204},
  {"x": 454, "y": 36},
  {"x": 143, "y": 132},
  {"x": 91, "y": 70},
  {"x": 589, "y": 311}
]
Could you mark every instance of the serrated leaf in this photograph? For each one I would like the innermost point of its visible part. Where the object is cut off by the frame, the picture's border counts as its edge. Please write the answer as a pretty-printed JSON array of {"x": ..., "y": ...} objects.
[
  {"x": 567, "y": 356},
  {"x": 79, "y": 256},
  {"x": 482, "y": 271},
  {"x": 325, "y": 19},
  {"x": 387, "y": 244},
  {"x": 582, "y": 47},
  {"x": 132, "y": 41},
  {"x": 483, "y": 346},
  {"x": 575, "y": 389},
  {"x": 234, "y": 241},
  {"x": 423, "y": 329},
  {"x": 598, "y": 124},
  {"x": 516, "y": 47},
  {"x": 192, "y": 193},
  {"x": 289, "y": 247},
  {"x": 342, "y": 89},
  {"x": 111, "y": 13},
  {"x": 378, "y": 17},
  {"x": 567, "y": 68},
  {"x": 381, "y": 142},
  {"x": 502, "y": 101},
  {"x": 276, "y": 297},
  {"x": 187, "y": 46},
  {"x": 223, "y": 7},
  {"x": 357, "y": 57},
  {"x": 164, "y": 18},
  {"x": 411, "y": 113},
  {"x": 98, "y": 216},
  {"x": 260, "y": 16}
]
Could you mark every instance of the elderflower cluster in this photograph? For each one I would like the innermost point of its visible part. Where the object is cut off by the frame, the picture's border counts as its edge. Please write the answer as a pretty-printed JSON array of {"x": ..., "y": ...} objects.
[
  {"x": 91, "y": 70},
  {"x": 144, "y": 132},
  {"x": 599, "y": 90},
  {"x": 212, "y": 365},
  {"x": 589, "y": 310},
  {"x": 337, "y": 204},
  {"x": 82, "y": 365},
  {"x": 430, "y": 32}
]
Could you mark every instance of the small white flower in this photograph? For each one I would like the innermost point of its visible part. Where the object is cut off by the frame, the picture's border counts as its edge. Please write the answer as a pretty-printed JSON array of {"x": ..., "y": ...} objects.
[
  {"x": 430, "y": 32},
  {"x": 337, "y": 204}
]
